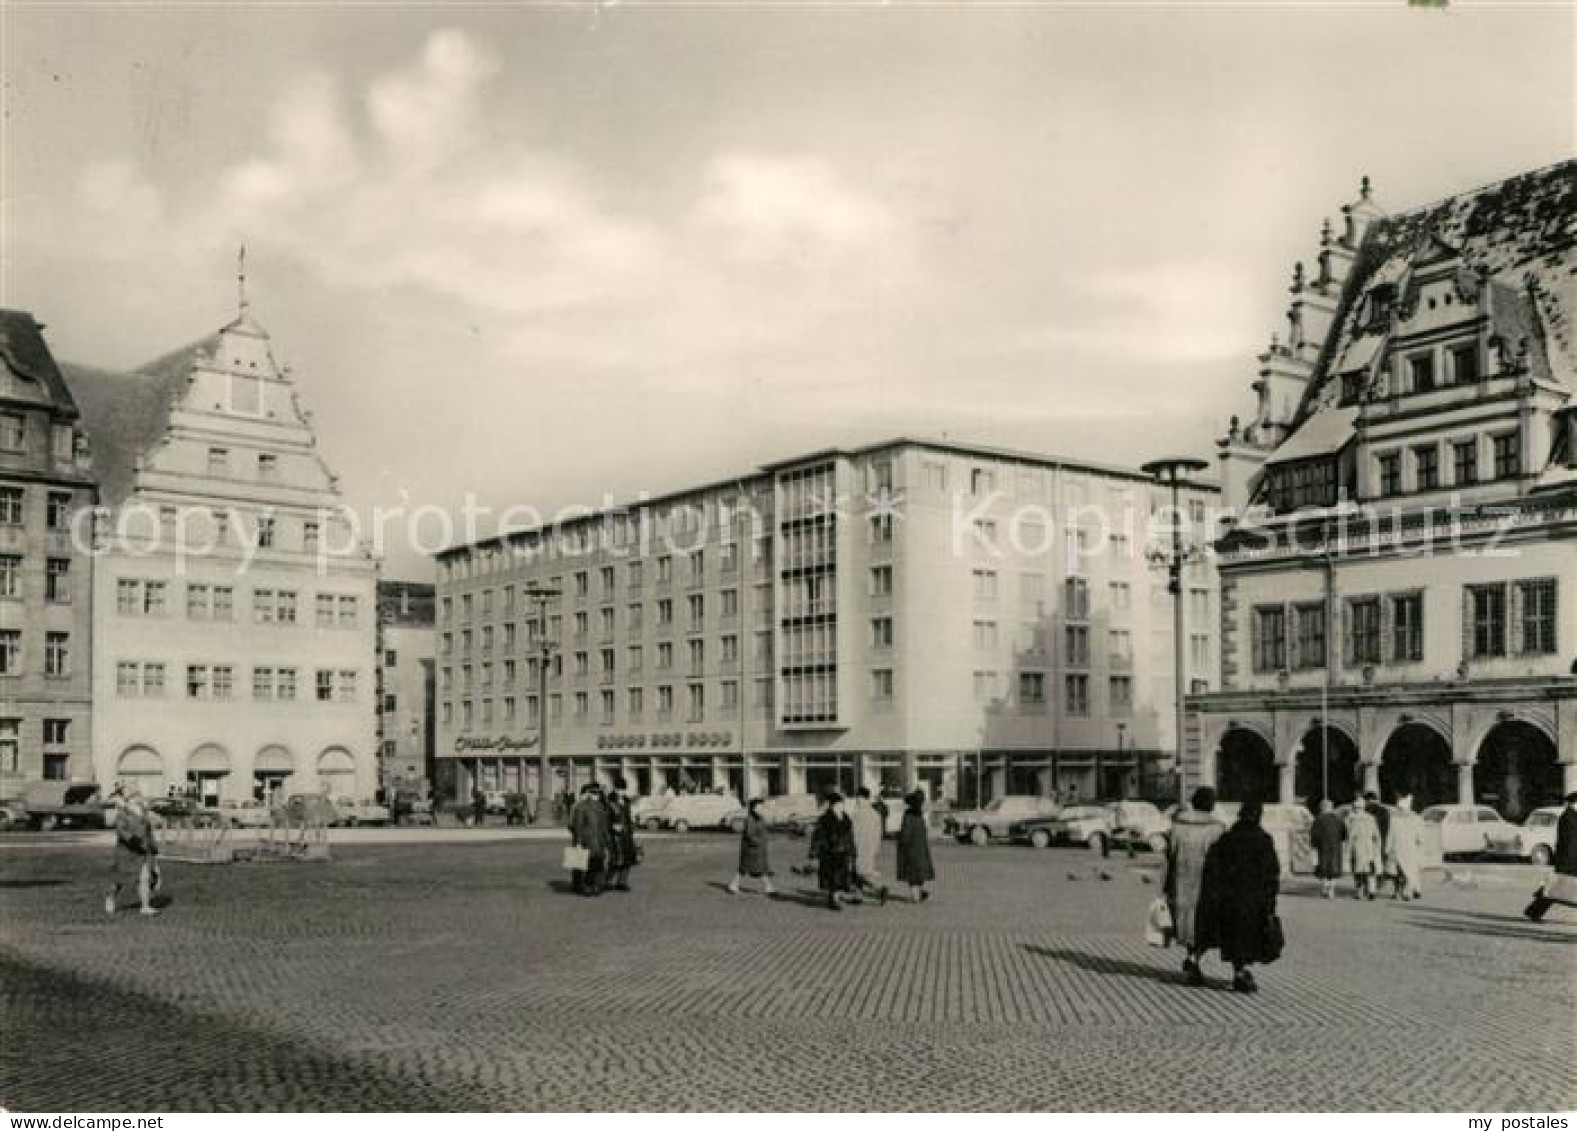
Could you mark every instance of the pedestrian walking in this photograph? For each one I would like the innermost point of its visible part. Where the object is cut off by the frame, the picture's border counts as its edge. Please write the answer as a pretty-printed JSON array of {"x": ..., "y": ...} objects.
[
  {"x": 867, "y": 824},
  {"x": 622, "y": 852},
  {"x": 832, "y": 845},
  {"x": 1562, "y": 886},
  {"x": 1328, "y": 834},
  {"x": 1194, "y": 830},
  {"x": 478, "y": 806},
  {"x": 588, "y": 829},
  {"x": 914, "y": 849},
  {"x": 1405, "y": 850},
  {"x": 1238, "y": 897},
  {"x": 136, "y": 851},
  {"x": 753, "y": 861},
  {"x": 1365, "y": 849}
]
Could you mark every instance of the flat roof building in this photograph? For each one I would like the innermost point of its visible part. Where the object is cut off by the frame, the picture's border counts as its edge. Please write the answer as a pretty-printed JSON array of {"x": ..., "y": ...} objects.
[{"x": 981, "y": 621}]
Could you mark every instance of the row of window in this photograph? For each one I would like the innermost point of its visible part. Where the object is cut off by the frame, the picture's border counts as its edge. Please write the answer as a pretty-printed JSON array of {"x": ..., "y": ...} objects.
[
  {"x": 1499, "y": 619},
  {"x": 1031, "y": 692},
  {"x": 13, "y": 508},
  {"x": 1423, "y": 469},
  {"x": 56, "y": 733},
  {"x": 481, "y": 711},
  {"x": 265, "y": 466},
  {"x": 57, "y": 579},
  {"x": 147, "y": 680},
  {"x": 57, "y": 653},
  {"x": 64, "y": 441},
  {"x": 139, "y": 597}
]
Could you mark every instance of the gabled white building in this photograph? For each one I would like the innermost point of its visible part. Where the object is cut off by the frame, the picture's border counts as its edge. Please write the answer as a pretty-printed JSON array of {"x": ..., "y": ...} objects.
[{"x": 235, "y": 610}]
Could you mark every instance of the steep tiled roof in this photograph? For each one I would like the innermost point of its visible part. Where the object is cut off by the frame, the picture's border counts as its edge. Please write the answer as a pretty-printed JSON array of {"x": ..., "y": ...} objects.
[
  {"x": 23, "y": 347},
  {"x": 126, "y": 415},
  {"x": 1520, "y": 234}
]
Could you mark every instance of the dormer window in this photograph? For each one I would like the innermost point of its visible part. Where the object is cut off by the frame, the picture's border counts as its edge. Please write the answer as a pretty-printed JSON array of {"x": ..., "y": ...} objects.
[
  {"x": 1422, "y": 369},
  {"x": 1381, "y": 299},
  {"x": 1352, "y": 387},
  {"x": 267, "y": 466}
]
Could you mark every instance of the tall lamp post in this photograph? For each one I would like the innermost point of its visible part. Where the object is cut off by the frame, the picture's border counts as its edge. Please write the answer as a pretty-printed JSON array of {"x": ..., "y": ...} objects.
[
  {"x": 1172, "y": 472},
  {"x": 543, "y": 596}
]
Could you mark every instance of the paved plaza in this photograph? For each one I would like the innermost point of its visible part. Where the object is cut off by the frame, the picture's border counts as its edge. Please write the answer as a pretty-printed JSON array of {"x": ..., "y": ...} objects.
[{"x": 443, "y": 976}]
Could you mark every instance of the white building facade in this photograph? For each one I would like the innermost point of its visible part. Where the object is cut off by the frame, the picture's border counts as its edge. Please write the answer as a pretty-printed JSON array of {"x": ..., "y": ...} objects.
[
  {"x": 1399, "y": 612},
  {"x": 977, "y": 621},
  {"x": 234, "y": 609}
]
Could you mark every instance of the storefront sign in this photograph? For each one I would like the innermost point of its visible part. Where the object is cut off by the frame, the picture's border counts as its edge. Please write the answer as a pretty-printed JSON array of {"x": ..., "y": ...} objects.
[
  {"x": 501, "y": 743},
  {"x": 696, "y": 739}
]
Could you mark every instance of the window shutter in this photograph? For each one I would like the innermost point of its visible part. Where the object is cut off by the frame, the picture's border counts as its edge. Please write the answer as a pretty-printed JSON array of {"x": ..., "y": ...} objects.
[
  {"x": 1257, "y": 640},
  {"x": 1349, "y": 646},
  {"x": 1388, "y": 648},
  {"x": 1467, "y": 623},
  {"x": 1293, "y": 655},
  {"x": 1514, "y": 614}
]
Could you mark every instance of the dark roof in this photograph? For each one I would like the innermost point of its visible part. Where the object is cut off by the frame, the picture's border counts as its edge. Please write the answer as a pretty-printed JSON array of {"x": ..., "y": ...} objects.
[
  {"x": 25, "y": 351},
  {"x": 419, "y": 601},
  {"x": 126, "y": 415},
  {"x": 1520, "y": 234}
]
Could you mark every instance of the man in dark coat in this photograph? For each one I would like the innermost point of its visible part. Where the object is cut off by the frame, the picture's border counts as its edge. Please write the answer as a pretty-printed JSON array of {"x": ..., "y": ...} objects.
[
  {"x": 478, "y": 806},
  {"x": 1327, "y": 835},
  {"x": 832, "y": 844},
  {"x": 1565, "y": 862},
  {"x": 588, "y": 829},
  {"x": 1238, "y": 897},
  {"x": 621, "y": 837}
]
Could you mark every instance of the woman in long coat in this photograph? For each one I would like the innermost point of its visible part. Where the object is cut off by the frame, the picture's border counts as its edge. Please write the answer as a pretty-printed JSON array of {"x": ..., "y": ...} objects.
[
  {"x": 621, "y": 837},
  {"x": 1365, "y": 849},
  {"x": 1238, "y": 896},
  {"x": 867, "y": 824},
  {"x": 1328, "y": 834},
  {"x": 833, "y": 846},
  {"x": 914, "y": 849},
  {"x": 1406, "y": 850},
  {"x": 753, "y": 851},
  {"x": 1194, "y": 830}
]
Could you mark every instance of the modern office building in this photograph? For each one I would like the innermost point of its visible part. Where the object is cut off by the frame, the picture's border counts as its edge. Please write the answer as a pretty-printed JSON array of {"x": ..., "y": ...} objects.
[
  {"x": 406, "y": 683},
  {"x": 980, "y": 621},
  {"x": 46, "y": 597},
  {"x": 234, "y": 608},
  {"x": 1399, "y": 608}
]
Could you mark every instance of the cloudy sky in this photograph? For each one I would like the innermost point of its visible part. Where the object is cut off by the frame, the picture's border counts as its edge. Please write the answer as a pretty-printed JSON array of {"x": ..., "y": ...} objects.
[{"x": 543, "y": 254}]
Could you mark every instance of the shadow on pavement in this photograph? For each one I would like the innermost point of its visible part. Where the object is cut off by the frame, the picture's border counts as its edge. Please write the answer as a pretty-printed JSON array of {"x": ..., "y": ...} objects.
[
  {"x": 32, "y": 883},
  {"x": 1102, "y": 964},
  {"x": 1495, "y": 926},
  {"x": 816, "y": 899}
]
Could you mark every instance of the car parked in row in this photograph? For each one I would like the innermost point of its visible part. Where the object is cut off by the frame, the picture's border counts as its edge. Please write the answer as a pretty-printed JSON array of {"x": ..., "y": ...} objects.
[
  {"x": 792, "y": 812},
  {"x": 995, "y": 820},
  {"x": 355, "y": 813},
  {"x": 1534, "y": 840},
  {"x": 702, "y": 811},
  {"x": 1085, "y": 826},
  {"x": 647, "y": 812},
  {"x": 1469, "y": 830},
  {"x": 243, "y": 814}
]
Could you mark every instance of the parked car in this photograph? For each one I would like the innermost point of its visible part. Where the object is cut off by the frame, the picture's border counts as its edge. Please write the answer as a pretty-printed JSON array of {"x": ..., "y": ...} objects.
[
  {"x": 1139, "y": 824},
  {"x": 703, "y": 811},
  {"x": 365, "y": 812},
  {"x": 996, "y": 819},
  {"x": 1534, "y": 841},
  {"x": 243, "y": 814},
  {"x": 1087, "y": 825},
  {"x": 648, "y": 811},
  {"x": 59, "y": 804},
  {"x": 1468, "y": 830},
  {"x": 496, "y": 801},
  {"x": 13, "y": 815},
  {"x": 793, "y": 811}
]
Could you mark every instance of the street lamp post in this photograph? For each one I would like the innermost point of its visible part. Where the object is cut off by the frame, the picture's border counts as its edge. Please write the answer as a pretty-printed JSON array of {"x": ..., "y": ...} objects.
[
  {"x": 1172, "y": 472},
  {"x": 543, "y": 596}
]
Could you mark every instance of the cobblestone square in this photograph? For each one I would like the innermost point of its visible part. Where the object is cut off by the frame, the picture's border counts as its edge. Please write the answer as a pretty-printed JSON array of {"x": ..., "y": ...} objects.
[{"x": 461, "y": 977}]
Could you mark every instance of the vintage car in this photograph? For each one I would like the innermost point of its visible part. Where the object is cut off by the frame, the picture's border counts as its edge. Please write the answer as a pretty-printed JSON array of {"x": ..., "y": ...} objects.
[
  {"x": 1534, "y": 841},
  {"x": 647, "y": 812},
  {"x": 996, "y": 820},
  {"x": 1469, "y": 830},
  {"x": 703, "y": 811},
  {"x": 1139, "y": 825},
  {"x": 1087, "y": 825},
  {"x": 59, "y": 804},
  {"x": 794, "y": 812},
  {"x": 242, "y": 814},
  {"x": 13, "y": 815},
  {"x": 365, "y": 812}
]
